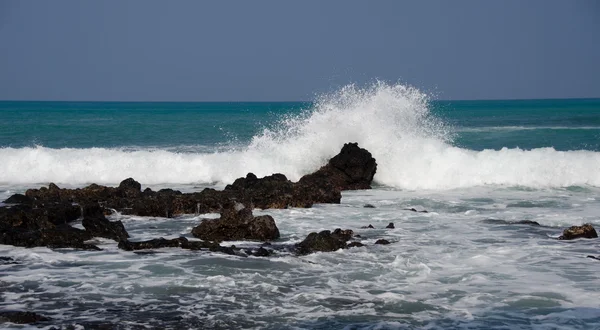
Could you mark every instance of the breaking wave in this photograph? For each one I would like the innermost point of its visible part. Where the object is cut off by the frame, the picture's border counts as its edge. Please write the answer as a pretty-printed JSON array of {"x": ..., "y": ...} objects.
[{"x": 413, "y": 150}]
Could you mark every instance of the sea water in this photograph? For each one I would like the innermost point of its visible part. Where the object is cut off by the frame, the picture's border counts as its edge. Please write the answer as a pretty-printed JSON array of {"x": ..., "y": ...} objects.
[{"x": 476, "y": 166}]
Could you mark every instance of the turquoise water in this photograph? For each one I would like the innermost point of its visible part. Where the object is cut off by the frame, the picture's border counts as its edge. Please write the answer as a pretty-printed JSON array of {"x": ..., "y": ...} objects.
[
  {"x": 476, "y": 166},
  {"x": 562, "y": 124}
]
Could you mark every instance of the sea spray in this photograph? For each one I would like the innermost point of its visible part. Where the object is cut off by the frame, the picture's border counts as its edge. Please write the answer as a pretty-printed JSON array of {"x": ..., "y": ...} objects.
[{"x": 413, "y": 148}]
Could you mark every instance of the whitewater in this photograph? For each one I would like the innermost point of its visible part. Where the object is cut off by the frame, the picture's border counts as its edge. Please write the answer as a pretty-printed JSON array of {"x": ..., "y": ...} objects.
[
  {"x": 393, "y": 122},
  {"x": 477, "y": 167}
]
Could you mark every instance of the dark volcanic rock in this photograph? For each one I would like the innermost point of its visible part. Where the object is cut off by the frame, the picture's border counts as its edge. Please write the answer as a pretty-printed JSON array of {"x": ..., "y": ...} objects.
[
  {"x": 370, "y": 226},
  {"x": 63, "y": 236},
  {"x": 325, "y": 241},
  {"x": 42, "y": 225},
  {"x": 390, "y": 226},
  {"x": 585, "y": 231},
  {"x": 382, "y": 241},
  {"x": 156, "y": 243},
  {"x": 369, "y": 206},
  {"x": 353, "y": 168},
  {"x": 97, "y": 225},
  {"x": 101, "y": 227},
  {"x": 21, "y": 317},
  {"x": 130, "y": 188},
  {"x": 237, "y": 223},
  {"x": 355, "y": 244},
  {"x": 594, "y": 257},
  {"x": 18, "y": 199},
  {"x": 261, "y": 252}
]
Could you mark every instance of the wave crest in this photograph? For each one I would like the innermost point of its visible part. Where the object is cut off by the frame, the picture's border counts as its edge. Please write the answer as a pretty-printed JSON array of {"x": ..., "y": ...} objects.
[{"x": 413, "y": 151}]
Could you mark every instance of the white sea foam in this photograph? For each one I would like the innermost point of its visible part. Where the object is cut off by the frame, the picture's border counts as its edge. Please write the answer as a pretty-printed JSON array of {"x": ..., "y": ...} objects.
[{"x": 413, "y": 151}]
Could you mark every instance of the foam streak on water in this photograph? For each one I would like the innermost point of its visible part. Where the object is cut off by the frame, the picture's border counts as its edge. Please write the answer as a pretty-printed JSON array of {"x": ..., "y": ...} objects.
[{"x": 445, "y": 269}]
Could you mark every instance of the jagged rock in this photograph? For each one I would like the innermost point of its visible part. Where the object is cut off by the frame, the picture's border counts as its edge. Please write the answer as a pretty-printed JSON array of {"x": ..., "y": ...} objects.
[
  {"x": 237, "y": 223},
  {"x": 156, "y": 243},
  {"x": 19, "y": 317},
  {"x": 585, "y": 231},
  {"x": 63, "y": 236},
  {"x": 261, "y": 252},
  {"x": 325, "y": 241},
  {"x": 594, "y": 257},
  {"x": 18, "y": 199},
  {"x": 369, "y": 206},
  {"x": 382, "y": 242},
  {"x": 390, "y": 226},
  {"x": 101, "y": 227},
  {"x": 353, "y": 168},
  {"x": 130, "y": 187},
  {"x": 370, "y": 226},
  {"x": 97, "y": 225}
]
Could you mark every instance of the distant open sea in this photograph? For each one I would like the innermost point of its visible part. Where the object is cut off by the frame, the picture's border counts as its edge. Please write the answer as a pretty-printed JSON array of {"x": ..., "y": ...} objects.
[{"x": 476, "y": 166}]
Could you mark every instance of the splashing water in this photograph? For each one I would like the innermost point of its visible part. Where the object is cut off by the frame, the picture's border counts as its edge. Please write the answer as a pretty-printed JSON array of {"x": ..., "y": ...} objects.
[{"x": 413, "y": 149}]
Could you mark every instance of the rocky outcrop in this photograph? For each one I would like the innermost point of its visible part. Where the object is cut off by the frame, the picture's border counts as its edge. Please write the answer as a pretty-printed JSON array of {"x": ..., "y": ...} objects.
[
  {"x": 63, "y": 236},
  {"x": 237, "y": 223},
  {"x": 180, "y": 242},
  {"x": 352, "y": 168},
  {"x": 96, "y": 224},
  {"x": 324, "y": 241},
  {"x": 43, "y": 225},
  {"x": 585, "y": 231}
]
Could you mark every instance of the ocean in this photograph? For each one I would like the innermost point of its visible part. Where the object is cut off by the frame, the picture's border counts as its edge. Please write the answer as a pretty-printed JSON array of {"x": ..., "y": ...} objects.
[{"x": 477, "y": 167}]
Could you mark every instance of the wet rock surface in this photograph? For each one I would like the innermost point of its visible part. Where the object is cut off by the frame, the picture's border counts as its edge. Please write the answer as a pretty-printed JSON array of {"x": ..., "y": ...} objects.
[
  {"x": 324, "y": 241},
  {"x": 96, "y": 224},
  {"x": 574, "y": 232},
  {"x": 352, "y": 168},
  {"x": 382, "y": 242},
  {"x": 237, "y": 223}
]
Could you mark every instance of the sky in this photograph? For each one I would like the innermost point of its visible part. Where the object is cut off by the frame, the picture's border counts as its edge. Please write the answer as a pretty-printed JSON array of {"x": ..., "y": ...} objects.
[{"x": 228, "y": 50}]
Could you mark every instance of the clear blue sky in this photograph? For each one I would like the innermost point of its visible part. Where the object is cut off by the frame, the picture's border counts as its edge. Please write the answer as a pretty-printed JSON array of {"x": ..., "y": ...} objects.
[{"x": 182, "y": 50}]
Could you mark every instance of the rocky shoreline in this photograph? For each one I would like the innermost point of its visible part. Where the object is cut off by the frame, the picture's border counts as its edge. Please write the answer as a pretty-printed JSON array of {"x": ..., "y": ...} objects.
[{"x": 43, "y": 217}]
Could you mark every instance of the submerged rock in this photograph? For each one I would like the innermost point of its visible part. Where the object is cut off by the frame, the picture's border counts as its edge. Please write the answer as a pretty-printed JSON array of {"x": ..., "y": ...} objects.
[
  {"x": 390, "y": 226},
  {"x": 237, "y": 223},
  {"x": 369, "y": 206},
  {"x": 19, "y": 317},
  {"x": 324, "y": 241},
  {"x": 382, "y": 242},
  {"x": 585, "y": 231},
  {"x": 506, "y": 222},
  {"x": 412, "y": 209},
  {"x": 370, "y": 226}
]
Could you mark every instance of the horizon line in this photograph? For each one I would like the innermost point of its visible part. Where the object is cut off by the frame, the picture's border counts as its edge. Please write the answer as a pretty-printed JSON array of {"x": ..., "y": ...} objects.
[{"x": 296, "y": 101}]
